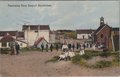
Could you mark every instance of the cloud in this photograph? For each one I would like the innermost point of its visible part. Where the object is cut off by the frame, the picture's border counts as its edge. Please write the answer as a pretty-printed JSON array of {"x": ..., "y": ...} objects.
[{"x": 62, "y": 14}]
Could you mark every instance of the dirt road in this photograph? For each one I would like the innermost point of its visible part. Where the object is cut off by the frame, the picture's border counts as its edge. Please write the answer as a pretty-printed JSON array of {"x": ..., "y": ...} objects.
[{"x": 32, "y": 64}]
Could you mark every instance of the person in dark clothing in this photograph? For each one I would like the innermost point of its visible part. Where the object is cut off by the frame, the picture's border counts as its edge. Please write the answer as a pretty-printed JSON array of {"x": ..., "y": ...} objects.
[
  {"x": 69, "y": 47},
  {"x": 73, "y": 46},
  {"x": 17, "y": 47},
  {"x": 57, "y": 47},
  {"x": 47, "y": 47},
  {"x": 42, "y": 47},
  {"x": 77, "y": 46},
  {"x": 51, "y": 47},
  {"x": 83, "y": 46}
]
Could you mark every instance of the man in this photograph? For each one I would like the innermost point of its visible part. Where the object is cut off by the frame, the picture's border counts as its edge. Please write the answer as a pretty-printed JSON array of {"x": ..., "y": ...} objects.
[
  {"x": 17, "y": 47},
  {"x": 57, "y": 47},
  {"x": 51, "y": 47},
  {"x": 42, "y": 47},
  {"x": 46, "y": 47}
]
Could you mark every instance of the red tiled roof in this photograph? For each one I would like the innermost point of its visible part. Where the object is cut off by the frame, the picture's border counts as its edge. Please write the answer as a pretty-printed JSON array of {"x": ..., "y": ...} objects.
[
  {"x": 36, "y": 27},
  {"x": 39, "y": 40},
  {"x": 101, "y": 27},
  {"x": 88, "y": 31},
  {"x": 7, "y": 38}
]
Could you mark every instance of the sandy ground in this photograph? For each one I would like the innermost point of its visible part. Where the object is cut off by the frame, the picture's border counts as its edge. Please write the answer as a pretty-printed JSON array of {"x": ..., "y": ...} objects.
[{"x": 32, "y": 64}]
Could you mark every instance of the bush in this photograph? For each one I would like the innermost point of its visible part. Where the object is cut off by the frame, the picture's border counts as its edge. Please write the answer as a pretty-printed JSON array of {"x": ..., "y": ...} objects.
[
  {"x": 76, "y": 59},
  {"x": 82, "y": 62},
  {"x": 105, "y": 54},
  {"x": 4, "y": 50},
  {"x": 102, "y": 64},
  {"x": 53, "y": 59},
  {"x": 87, "y": 56}
]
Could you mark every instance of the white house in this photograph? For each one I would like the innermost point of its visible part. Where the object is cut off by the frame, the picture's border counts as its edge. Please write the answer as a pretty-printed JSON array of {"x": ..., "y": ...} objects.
[
  {"x": 84, "y": 33},
  {"x": 33, "y": 32},
  {"x": 6, "y": 37}
]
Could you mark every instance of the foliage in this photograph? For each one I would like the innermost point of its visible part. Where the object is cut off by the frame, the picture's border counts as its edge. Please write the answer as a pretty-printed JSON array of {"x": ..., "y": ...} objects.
[
  {"x": 76, "y": 59},
  {"x": 92, "y": 53},
  {"x": 4, "y": 50},
  {"x": 53, "y": 59},
  {"x": 102, "y": 64},
  {"x": 105, "y": 54},
  {"x": 87, "y": 56}
]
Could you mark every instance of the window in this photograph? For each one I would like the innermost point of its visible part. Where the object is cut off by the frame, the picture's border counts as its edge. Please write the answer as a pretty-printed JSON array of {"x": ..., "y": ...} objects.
[
  {"x": 4, "y": 44},
  {"x": 101, "y": 35}
]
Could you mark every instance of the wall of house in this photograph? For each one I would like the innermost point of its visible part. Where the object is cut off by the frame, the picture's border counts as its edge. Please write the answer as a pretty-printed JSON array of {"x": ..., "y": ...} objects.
[
  {"x": 31, "y": 36},
  {"x": 22, "y": 45},
  {"x": 80, "y": 36},
  {"x": 104, "y": 36},
  {"x": 52, "y": 38}
]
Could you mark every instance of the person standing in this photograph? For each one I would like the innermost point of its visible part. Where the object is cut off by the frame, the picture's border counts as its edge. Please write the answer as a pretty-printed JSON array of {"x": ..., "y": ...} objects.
[
  {"x": 17, "y": 47},
  {"x": 51, "y": 47},
  {"x": 57, "y": 47},
  {"x": 46, "y": 47},
  {"x": 69, "y": 47},
  {"x": 42, "y": 47},
  {"x": 73, "y": 46}
]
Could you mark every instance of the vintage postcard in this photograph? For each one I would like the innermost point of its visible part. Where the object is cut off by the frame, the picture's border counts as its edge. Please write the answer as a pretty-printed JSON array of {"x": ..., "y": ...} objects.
[{"x": 59, "y": 38}]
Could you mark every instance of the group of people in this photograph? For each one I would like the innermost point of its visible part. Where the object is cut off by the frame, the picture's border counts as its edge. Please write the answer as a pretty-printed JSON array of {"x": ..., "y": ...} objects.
[
  {"x": 15, "y": 48},
  {"x": 47, "y": 47}
]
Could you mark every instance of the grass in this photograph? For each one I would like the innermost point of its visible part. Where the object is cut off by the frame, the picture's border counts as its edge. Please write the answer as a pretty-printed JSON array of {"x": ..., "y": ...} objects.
[
  {"x": 82, "y": 59},
  {"x": 53, "y": 59}
]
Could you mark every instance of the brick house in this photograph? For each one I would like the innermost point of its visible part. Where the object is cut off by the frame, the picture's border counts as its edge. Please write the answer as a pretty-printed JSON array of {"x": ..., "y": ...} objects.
[{"x": 103, "y": 37}]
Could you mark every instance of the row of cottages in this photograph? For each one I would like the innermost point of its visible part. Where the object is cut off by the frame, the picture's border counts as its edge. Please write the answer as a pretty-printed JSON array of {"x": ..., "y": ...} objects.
[
  {"x": 106, "y": 36},
  {"x": 6, "y": 37},
  {"x": 31, "y": 35}
]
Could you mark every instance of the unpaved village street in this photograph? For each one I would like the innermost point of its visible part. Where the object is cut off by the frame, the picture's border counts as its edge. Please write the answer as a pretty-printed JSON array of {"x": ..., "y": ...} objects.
[{"x": 32, "y": 64}]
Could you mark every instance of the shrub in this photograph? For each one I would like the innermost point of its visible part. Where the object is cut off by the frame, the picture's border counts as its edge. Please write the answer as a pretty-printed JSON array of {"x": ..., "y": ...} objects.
[
  {"x": 82, "y": 62},
  {"x": 76, "y": 59},
  {"x": 105, "y": 54},
  {"x": 87, "y": 56},
  {"x": 53, "y": 59},
  {"x": 4, "y": 50},
  {"x": 102, "y": 64}
]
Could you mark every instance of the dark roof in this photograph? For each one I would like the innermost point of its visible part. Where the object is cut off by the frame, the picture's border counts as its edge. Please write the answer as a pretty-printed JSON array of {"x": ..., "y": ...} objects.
[
  {"x": 7, "y": 38},
  {"x": 12, "y": 33},
  {"x": 36, "y": 27},
  {"x": 115, "y": 29},
  {"x": 100, "y": 27},
  {"x": 20, "y": 34},
  {"x": 88, "y": 31}
]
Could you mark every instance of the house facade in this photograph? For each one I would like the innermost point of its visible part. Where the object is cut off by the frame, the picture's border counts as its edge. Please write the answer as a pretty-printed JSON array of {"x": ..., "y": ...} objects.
[
  {"x": 33, "y": 32},
  {"x": 84, "y": 33}
]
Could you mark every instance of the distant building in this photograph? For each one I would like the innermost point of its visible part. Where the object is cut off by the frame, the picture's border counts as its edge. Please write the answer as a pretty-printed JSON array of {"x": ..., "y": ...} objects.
[
  {"x": 84, "y": 33},
  {"x": 52, "y": 37},
  {"x": 33, "y": 32},
  {"x": 104, "y": 36},
  {"x": 6, "y": 37}
]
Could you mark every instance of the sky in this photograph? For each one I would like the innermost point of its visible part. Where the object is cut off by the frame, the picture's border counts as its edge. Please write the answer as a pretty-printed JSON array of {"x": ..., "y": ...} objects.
[{"x": 58, "y": 14}]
